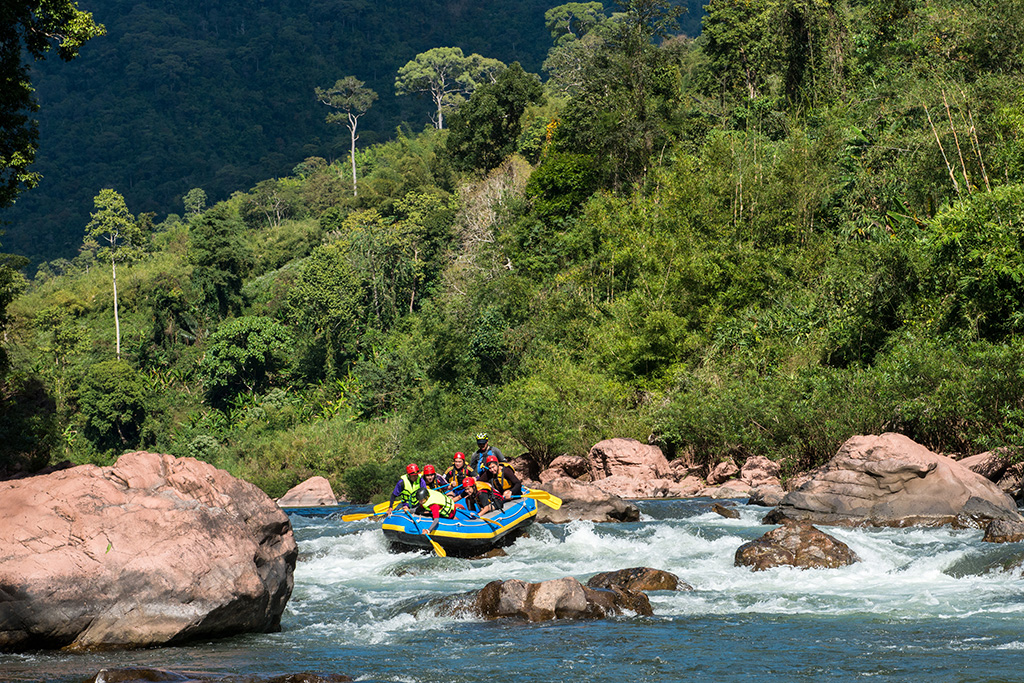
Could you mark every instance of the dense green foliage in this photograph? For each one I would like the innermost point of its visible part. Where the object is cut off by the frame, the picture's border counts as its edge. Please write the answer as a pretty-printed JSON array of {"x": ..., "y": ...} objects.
[{"x": 803, "y": 225}]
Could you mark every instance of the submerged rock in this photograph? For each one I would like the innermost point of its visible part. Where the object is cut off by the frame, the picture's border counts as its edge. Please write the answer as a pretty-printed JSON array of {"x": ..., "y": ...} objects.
[
  {"x": 889, "y": 480},
  {"x": 1002, "y": 531},
  {"x": 639, "y": 579},
  {"x": 564, "y": 598},
  {"x": 724, "y": 511},
  {"x": 796, "y": 544},
  {"x": 152, "y": 550}
]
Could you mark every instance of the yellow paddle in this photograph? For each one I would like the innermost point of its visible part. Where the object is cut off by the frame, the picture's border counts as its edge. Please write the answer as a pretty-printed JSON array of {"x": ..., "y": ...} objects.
[
  {"x": 437, "y": 547},
  {"x": 553, "y": 502},
  {"x": 356, "y": 518}
]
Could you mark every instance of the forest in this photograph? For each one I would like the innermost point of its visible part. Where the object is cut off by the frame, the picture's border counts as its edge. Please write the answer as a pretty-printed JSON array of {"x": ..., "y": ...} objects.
[{"x": 801, "y": 225}]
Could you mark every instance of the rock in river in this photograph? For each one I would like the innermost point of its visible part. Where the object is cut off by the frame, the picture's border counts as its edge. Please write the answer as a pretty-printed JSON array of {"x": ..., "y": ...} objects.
[
  {"x": 152, "y": 550},
  {"x": 889, "y": 480},
  {"x": 564, "y": 598},
  {"x": 797, "y": 544}
]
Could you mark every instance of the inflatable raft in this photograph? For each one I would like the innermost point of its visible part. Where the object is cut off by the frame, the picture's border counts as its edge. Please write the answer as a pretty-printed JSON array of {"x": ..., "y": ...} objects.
[{"x": 466, "y": 534}]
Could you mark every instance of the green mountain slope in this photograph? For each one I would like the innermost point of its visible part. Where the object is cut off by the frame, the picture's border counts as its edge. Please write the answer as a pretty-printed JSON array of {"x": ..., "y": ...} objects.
[{"x": 183, "y": 94}]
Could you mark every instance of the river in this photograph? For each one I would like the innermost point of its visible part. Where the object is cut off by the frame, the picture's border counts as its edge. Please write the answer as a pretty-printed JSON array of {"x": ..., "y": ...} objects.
[{"x": 922, "y": 602}]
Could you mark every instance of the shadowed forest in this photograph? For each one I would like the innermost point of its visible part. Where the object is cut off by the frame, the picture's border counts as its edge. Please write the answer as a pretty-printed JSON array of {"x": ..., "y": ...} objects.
[{"x": 801, "y": 225}]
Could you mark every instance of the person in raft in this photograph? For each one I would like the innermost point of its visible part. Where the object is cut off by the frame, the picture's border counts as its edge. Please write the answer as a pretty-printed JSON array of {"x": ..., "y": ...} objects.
[
  {"x": 435, "y": 504},
  {"x": 483, "y": 451},
  {"x": 433, "y": 480},
  {"x": 502, "y": 479},
  {"x": 405, "y": 490},
  {"x": 469, "y": 497},
  {"x": 457, "y": 473}
]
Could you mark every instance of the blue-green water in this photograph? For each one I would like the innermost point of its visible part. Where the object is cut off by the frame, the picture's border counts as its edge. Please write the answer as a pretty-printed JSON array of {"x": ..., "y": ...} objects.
[{"x": 923, "y": 602}]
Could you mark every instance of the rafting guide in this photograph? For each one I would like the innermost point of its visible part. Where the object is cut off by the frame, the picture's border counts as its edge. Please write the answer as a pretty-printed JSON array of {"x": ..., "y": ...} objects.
[{"x": 484, "y": 451}]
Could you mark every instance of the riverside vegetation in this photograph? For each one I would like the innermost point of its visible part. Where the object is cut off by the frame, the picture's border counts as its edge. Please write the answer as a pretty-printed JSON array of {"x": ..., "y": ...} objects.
[{"x": 802, "y": 225}]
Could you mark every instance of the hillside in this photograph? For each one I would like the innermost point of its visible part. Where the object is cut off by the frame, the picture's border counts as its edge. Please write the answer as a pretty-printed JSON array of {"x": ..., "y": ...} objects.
[
  {"x": 757, "y": 242},
  {"x": 181, "y": 94}
]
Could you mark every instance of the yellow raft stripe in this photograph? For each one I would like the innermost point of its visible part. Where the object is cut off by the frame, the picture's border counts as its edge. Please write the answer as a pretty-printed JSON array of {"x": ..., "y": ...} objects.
[{"x": 463, "y": 534}]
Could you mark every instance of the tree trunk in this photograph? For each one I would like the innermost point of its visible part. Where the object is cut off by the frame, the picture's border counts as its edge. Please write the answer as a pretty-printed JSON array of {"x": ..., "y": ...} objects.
[
  {"x": 117, "y": 320},
  {"x": 353, "y": 122}
]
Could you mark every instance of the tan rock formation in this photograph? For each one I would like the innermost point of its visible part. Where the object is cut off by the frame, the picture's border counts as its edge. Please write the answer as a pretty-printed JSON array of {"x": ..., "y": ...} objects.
[
  {"x": 151, "y": 550},
  {"x": 889, "y": 480}
]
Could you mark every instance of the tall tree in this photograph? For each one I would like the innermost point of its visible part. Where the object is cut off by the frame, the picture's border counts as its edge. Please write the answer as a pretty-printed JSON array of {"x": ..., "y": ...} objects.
[
  {"x": 485, "y": 130},
  {"x": 222, "y": 259},
  {"x": 120, "y": 235},
  {"x": 353, "y": 99},
  {"x": 29, "y": 28},
  {"x": 447, "y": 75}
]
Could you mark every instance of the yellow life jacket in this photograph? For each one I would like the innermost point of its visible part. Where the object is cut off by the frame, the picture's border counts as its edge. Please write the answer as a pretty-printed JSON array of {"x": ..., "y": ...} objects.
[
  {"x": 409, "y": 489},
  {"x": 438, "y": 498}
]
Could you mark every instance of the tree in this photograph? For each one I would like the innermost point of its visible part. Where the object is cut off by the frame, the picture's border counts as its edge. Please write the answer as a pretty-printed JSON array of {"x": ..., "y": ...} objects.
[
  {"x": 573, "y": 20},
  {"x": 29, "y": 28},
  {"x": 485, "y": 130},
  {"x": 122, "y": 235},
  {"x": 327, "y": 299},
  {"x": 194, "y": 201},
  {"x": 446, "y": 75},
  {"x": 111, "y": 400},
  {"x": 222, "y": 259},
  {"x": 349, "y": 96},
  {"x": 628, "y": 91},
  {"x": 246, "y": 355}
]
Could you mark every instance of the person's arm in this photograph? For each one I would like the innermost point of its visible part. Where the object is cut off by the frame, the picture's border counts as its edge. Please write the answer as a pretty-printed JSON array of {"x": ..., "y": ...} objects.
[
  {"x": 517, "y": 483},
  {"x": 395, "y": 493},
  {"x": 435, "y": 512}
]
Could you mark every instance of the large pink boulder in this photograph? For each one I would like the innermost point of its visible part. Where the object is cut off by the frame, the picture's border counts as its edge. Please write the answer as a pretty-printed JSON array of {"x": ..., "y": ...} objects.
[
  {"x": 627, "y": 457},
  {"x": 630, "y": 469},
  {"x": 151, "y": 550},
  {"x": 314, "y": 492},
  {"x": 889, "y": 480},
  {"x": 759, "y": 471}
]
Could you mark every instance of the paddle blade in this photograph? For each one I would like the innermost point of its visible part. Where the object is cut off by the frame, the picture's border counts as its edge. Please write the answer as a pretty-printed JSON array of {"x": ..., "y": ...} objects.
[
  {"x": 437, "y": 548},
  {"x": 381, "y": 507},
  {"x": 356, "y": 518},
  {"x": 553, "y": 502}
]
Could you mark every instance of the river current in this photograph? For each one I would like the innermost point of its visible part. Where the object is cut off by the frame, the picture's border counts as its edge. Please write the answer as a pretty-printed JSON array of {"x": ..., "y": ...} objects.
[{"x": 922, "y": 602}]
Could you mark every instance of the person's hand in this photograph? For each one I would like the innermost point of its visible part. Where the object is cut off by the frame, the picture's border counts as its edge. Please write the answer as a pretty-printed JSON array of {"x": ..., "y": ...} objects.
[{"x": 508, "y": 495}]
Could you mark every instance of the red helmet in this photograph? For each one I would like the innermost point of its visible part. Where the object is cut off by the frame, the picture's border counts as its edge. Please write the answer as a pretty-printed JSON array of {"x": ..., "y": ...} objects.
[
  {"x": 490, "y": 458},
  {"x": 411, "y": 468},
  {"x": 460, "y": 456},
  {"x": 468, "y": 483},
  {"x": 429, "y": 469}
]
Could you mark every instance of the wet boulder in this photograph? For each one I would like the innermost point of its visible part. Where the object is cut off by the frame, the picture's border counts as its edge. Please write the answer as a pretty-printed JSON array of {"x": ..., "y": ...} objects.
[
  {"x": 150, "y": 551},
  {"x": 889, "y": 480},
  {"x": 796, "y": 544},
  {"x": 314, "y": 492},
  {"x": 725, "y": 511},
  {"x": 564, "y": 598},
  {"x": 581, "y": 501},
  {"x": 638, "y": 579},
  {"x": 1003, "y": 531}
]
